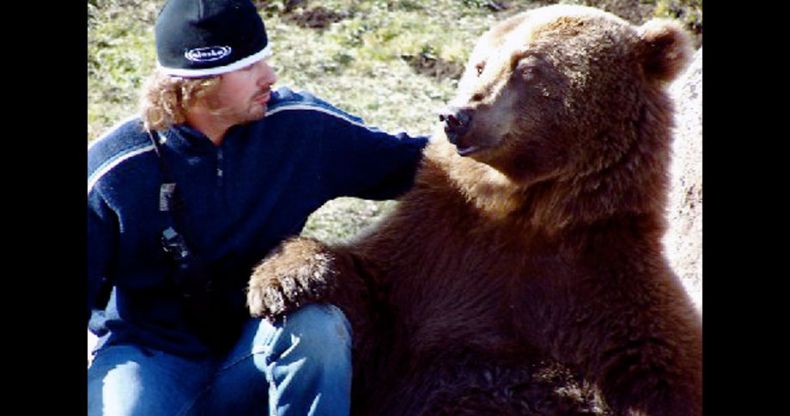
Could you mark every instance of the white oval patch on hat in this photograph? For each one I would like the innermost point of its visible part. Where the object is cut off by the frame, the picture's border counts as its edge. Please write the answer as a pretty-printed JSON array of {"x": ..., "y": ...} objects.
[{"x": 207, "y": 54}]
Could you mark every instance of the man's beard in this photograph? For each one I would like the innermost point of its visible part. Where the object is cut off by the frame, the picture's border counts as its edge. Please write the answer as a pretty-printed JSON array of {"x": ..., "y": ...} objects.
[{"x": 255, "y": 111}]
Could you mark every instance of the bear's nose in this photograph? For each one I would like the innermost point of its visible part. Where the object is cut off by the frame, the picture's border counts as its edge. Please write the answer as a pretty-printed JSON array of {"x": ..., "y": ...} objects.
[{"x": 456, "y": 122}]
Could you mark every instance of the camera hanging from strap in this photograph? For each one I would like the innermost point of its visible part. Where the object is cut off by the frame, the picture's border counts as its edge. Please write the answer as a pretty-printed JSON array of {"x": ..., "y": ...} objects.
[
  {"x": 173, "y": 242},
  {"x": 206, "y": 309}
]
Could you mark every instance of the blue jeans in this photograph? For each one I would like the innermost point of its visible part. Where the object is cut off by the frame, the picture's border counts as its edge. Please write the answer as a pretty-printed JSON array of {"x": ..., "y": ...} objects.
[{"x": 299, "y": 366}]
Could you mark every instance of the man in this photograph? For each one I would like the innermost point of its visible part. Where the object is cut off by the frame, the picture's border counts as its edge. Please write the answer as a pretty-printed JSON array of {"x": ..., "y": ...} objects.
[{"x": 186, "y": 199}]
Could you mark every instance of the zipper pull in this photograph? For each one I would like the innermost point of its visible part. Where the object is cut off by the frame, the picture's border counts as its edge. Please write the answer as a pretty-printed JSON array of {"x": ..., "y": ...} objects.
[{"x": 219, "y": 166}]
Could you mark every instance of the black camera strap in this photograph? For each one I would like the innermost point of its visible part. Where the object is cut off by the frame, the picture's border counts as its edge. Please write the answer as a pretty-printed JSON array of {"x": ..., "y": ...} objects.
[
  {"x": 173, "y": 239},
  {"x": 207, "y": 309}
]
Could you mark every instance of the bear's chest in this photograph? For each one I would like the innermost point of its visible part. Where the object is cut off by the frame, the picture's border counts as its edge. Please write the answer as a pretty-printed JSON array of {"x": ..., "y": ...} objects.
[{"x": 473, "y": 297}]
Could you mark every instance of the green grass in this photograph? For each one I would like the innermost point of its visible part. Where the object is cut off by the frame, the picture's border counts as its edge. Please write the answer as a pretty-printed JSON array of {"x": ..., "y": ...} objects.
[{"x": 360, "y": 63}]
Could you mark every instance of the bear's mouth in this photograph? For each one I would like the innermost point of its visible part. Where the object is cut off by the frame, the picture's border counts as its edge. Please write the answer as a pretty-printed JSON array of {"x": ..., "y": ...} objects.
[{"x": 468, "y": 150}]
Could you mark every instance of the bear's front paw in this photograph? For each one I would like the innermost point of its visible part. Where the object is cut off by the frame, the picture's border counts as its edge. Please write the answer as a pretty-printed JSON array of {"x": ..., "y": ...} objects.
[{"x": 299, "y": 272}]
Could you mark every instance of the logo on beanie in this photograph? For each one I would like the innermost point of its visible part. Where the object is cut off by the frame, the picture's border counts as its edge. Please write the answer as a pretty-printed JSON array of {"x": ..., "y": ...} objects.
[{"x": 207, "y": 54}]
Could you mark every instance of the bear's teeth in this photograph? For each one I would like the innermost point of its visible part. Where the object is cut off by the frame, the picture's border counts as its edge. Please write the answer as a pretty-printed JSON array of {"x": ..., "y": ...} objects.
[{"x": 467, "y": 150}]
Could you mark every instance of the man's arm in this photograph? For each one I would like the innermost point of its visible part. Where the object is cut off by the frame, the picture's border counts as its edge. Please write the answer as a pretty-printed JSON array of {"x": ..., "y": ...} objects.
[
  {"x": 368, "y": 163},
  {"x": 102, "y": 244}
]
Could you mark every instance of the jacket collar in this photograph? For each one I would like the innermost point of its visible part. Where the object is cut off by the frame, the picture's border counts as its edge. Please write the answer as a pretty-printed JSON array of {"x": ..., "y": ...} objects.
[{"x": 185, "y": 139}]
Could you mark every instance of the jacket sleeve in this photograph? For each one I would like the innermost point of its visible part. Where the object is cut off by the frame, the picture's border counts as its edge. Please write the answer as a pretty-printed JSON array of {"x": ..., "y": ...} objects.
[
  {"x": 368, "y": 163},
  {"x": 102, "y": 246}
]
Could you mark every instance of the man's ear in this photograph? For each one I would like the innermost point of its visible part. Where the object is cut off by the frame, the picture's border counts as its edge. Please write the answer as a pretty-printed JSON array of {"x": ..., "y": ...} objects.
[{"x": 664, "y": 49}]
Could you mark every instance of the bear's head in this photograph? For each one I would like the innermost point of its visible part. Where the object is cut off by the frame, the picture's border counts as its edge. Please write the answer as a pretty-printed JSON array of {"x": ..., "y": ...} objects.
[{"x": 561, "y": 92}]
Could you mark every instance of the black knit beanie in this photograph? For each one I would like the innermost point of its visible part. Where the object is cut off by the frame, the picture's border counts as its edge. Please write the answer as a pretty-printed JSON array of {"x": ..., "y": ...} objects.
[{"x": 198, "y": 38}]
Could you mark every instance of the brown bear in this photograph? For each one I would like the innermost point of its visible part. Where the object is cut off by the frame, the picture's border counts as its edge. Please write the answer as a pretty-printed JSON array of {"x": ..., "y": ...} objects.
[{"x": 533, "y": 232}]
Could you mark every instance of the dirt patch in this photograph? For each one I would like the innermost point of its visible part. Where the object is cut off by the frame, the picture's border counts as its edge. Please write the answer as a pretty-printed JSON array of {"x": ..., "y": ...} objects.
[
  {"x": 429, "y": 65},
  {"x": 635, "y": 11},
  {"x": 316, "y": 18}
]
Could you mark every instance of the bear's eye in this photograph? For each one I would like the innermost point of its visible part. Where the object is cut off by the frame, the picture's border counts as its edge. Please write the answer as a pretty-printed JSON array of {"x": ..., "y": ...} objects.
[
  {"x": 528, "y": 68},
  {"x": 529, "y": 73},
  {"x": 479, "y": 67}
]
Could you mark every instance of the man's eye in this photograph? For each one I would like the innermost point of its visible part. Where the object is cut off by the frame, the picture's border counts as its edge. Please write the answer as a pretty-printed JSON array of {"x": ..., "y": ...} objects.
[{"x": 479, "y": 67}]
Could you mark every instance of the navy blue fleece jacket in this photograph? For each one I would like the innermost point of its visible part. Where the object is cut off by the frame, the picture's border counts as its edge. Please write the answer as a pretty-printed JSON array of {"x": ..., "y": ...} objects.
[{"x": 242, "y": 199}]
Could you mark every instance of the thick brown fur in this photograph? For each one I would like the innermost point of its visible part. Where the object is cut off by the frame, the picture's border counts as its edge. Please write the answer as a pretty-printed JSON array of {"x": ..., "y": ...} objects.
[{"x": 543, "y": 246}]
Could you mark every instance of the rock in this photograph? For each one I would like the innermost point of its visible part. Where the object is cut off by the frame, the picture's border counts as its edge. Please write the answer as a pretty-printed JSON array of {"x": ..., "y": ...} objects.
[{"x": 683, "y": 240}]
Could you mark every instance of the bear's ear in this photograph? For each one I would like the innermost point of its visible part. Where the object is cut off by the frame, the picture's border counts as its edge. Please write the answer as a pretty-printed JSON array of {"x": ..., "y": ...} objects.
[{"x": 665, "y": 49}]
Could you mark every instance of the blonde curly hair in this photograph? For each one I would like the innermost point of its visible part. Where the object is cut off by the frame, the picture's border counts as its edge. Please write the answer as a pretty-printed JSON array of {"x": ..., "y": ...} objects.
[{"x": 165, "y": 99}]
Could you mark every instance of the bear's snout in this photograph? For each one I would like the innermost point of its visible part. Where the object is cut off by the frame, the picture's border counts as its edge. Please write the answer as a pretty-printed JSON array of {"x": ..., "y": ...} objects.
[{"x": 457, "y": 122}]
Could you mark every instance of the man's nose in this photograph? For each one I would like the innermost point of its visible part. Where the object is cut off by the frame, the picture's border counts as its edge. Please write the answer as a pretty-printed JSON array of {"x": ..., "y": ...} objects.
[{"x": 268, "y": 76}]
